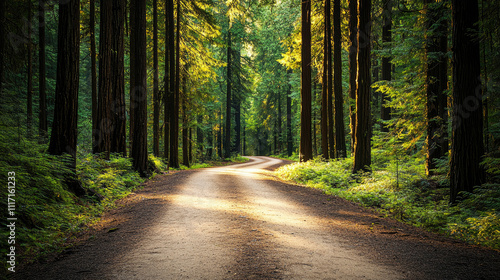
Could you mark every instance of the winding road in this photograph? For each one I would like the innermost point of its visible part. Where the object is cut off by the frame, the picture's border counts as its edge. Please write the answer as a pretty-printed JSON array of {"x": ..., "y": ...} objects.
[{"x": 239, "y": 222}]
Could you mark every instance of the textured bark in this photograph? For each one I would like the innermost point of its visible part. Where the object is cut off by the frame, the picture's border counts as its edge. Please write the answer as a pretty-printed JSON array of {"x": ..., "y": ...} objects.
[
  {"x": 340, "y": 146},
  {"x": 436, "y": 81},
  {"x": 156, "y": 94},
  {"x": 118, "y": 106},
  {"x": 169, "y": 75},
  {"x": 64, "y": 128},
  {"x": 93, "y": 71},
  {"x": 353, "y": 66},
  {"x": 362, "y": 145},
  {"x": 174, "y": 115},
  {"x": 385, "y": 111},
  {"x": 305, "y": 112},
  {"x": 42, "y": 95},
  {"x": 227, "y": 136},
  {"x": 138, "y": 86},
  {"x": 185, "y": 132},
  {"x": 29, "y": 93},
  {"x": 324, "y": 91},
  {"x": 289, "y": 137},
  {"x": 104, "y": 99},
  {"x": 467, "y": 145}
]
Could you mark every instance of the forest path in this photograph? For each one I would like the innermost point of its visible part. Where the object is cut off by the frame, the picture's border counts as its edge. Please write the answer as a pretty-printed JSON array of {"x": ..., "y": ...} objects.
[{"x": 238, "y": 222}]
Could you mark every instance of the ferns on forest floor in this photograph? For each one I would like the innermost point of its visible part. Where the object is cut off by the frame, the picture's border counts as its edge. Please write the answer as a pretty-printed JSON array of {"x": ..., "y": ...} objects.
[{"x": 401, "y": 190}]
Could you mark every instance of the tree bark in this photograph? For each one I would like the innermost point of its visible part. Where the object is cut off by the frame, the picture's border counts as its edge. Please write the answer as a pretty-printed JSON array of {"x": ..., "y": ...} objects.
[
  {"x": 64, "y": 128},
  {"x": 156, "y": 94},
  {"x": 340, "y": 147},
  {"x": 305, "y": 113},
  {"x": 185, "y": 132},
  {"x": 385, "y": 111},
  {"x": 169, "y": 78},
  {"x": 353, "y": 66},
  {"x": 324, "y": 92},
  {"x": 467, "y": 145},
  {"x": 42, "y": 95},
  {"x": 29, "y": 101},
  {"x": 118, "y": 106},
  {"x": 138, "y": 86},
  {"x": 362, "y": 144},
  {"x": 104, "y": 100},
  {"x": 93, "y": 72},
  {"x": 227, "y": 136},
  {"x": 174, "y": 115}
]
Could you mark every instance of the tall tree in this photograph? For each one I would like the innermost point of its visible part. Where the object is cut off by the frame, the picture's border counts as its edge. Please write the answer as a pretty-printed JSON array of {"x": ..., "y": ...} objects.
[
  {"x": 29, "y": 101},
  {"x": 340, "y": 147},
  {"x": 467, "y": 145},
  {"x": 305, "y": 112},
  {"x": 104, "y": 99},
  {"x": 64, "y": 128},
  {"x": 174, "y": 114},
  {"x": 42, "y": 95},
  {"x": 362, "y": 143},
  {"x": 385, "y": 111},
  {"x": 353, "y": 66},
  {"x": 156, "y": 88},
  {"x": 169, "y": 78},
  {"x": 436, "y": 83},
  {"x": 93, "y": 70},
  {"x": 324, "y": 92},
  {"x": 289, "y": 136},
  {"x": 138, "y": 86},
  {"x": 118, "y": 107},
  {"x": 185, "y": 127},
  {"x": 227, "y": 130}
]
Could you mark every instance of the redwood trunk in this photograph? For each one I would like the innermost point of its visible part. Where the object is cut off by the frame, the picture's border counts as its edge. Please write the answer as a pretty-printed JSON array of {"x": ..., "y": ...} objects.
[
  {"x": 362, "y": 148},
  {"x": 305, "y": 113},
  {"x": 340, "y": 147},
  {"x": 467, "y": 145}
]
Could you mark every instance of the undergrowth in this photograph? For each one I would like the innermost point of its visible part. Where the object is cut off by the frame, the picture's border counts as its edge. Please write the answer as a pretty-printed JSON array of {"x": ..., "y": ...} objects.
[{"x": 400, "y": 189}]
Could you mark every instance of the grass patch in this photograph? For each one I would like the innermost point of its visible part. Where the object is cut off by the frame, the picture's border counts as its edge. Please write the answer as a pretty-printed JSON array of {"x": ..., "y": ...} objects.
[{"x": 400, "y": 189}]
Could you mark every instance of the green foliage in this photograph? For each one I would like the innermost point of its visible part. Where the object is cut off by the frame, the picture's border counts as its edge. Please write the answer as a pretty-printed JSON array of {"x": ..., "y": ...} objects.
[{"x": 399, "y": 189}]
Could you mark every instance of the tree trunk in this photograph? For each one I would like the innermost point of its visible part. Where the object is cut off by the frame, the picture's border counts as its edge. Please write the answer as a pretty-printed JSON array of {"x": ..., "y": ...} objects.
[
  {"x": 104, "y": 100},
  {"x": 237, "y": 104},
  {"x": 138, "y": 86},
  {"x": 353, "y": 66},
  {"x": 227, "y": 138},
  {"x": 340, "y": 147},
  {"x": 436, "y": 82},
  {"x": 118, "y": 106},
  {"x": 156, "y": 94},
  {"x": 467, "y": 145},
  {"x": 185, "y": 131},
  {"x": 169, "y": 77},
  {"x": 385, "y": 110},
  {"x": 174, "y": 114},
  {"x": 42, "y": 114},
  {"x": 362, "y": 143},
  {"x": 64, "y": 129},
  {"x": 289, "y": 137},
  {"x": 324, "y": 92},
  {"x": 93, "y": 72},
  {"x": 29, "y": 101},
  {"x": 200, "y": 139},
  {"x": 305, "y": 113}
]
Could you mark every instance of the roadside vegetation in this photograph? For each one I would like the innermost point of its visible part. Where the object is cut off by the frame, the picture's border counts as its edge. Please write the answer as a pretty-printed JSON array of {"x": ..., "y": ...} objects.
[
  {"x": 49, "y": 216},
  {"x": 399, "y": 188}
]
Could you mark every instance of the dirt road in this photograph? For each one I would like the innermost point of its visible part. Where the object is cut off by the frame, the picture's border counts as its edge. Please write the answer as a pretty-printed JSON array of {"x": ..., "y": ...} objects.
[{"x": 237, "y": 222}]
